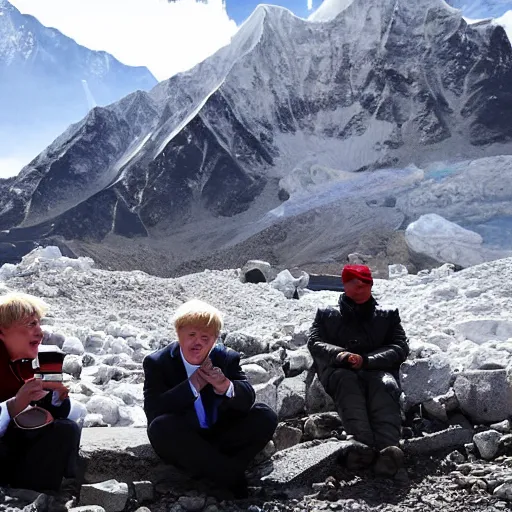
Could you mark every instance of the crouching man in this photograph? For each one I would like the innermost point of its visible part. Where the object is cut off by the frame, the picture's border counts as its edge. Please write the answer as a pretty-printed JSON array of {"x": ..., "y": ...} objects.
[
  {"x": 199, "y": 405},
  {"x": 358, "y": 350},
  {"x": 39, "y": 436}
]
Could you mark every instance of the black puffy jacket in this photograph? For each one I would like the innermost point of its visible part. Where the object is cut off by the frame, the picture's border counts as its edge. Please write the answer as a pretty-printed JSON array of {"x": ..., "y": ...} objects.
[{"x": 365, "y": 329}]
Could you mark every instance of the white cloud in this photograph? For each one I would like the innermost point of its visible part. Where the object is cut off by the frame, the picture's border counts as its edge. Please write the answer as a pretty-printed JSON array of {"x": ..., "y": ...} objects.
[
  {"x": 165, "y": 37},
  {"x": 11, "y": 166},
  {"x": 310, "y": 5},
  {"x": 506, "y": 22}
]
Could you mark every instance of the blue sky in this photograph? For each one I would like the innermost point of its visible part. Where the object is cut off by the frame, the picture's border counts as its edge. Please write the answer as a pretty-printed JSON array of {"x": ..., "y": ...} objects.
[
  {"x": 239, "y": 10},
  {"x": 167, "y": 37}
]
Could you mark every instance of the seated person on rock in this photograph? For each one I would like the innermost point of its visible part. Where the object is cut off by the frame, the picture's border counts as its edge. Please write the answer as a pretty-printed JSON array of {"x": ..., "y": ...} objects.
[
  {"x": 199, "y": 405},
  {"x": 358, "y": 350},
  {"x": 38, "y": 445}
]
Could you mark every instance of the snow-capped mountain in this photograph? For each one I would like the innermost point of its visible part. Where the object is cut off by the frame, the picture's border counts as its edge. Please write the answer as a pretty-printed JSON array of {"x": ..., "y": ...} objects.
[
  {"x": 478, "y": 9},
  {"x": 48, "y": 81},
  {"x": 206, "y": 158}
]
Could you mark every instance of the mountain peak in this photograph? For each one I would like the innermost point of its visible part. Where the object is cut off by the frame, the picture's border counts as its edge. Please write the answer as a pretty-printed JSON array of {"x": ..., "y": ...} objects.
[{"x": 330, "y": 9}]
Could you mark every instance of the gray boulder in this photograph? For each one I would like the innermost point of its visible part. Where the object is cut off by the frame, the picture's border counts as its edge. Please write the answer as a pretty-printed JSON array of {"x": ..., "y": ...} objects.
[
  {"x": 73, "y": 345},
  {"x": 245, "y": 343},
  {"x": 317, "y": 399},
  {"x": 298, "y": 361},
  {"x": 111, "y": 495},
  {"x": 487, "y": 443},
  {"x": 286, "y": 436},
  {"x": 271, "y": 362},
  {"x": 424, "y": 379},
  {"x": 290, "y": 286},
  {"x": 73, "y": 366},
  {"x": 322, "y": 426},
  {"x": 504, "y": 491},
  {"x": 255, "y": 373},
  {"x": 291, "y": 397},
  {"x": 257, "y": 271},
  {"x": 267, "y": 393},
  {"x": 484, "y": 395}
]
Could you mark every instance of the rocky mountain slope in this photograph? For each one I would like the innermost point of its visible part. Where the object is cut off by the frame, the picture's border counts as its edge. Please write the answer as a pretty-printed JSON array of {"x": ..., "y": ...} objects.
[
  {"x": 290, "y": 105},
  {"x": 49, "y": 81}
]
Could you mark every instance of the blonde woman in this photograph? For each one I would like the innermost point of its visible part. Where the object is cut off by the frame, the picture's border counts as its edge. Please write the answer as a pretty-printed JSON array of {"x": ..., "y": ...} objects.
[{"x": 36, "y": 454}]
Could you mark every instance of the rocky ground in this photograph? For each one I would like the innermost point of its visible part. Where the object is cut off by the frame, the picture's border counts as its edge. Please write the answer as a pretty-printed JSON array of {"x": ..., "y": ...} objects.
[{"x": 457, "y": 388}]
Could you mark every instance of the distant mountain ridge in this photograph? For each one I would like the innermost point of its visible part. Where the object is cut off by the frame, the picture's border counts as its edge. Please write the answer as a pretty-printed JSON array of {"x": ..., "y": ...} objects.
[
  {"x": 216, "y": 154},
  {"x": 46, "y": 78}
]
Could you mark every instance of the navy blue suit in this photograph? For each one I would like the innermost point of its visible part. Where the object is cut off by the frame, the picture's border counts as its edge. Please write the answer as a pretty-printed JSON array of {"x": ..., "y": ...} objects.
[{"x": 239, "y": 428}]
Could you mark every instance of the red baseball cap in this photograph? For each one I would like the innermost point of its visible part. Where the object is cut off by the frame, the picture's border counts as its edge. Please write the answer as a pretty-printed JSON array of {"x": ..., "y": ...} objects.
[{"x": 361, "y": 272}]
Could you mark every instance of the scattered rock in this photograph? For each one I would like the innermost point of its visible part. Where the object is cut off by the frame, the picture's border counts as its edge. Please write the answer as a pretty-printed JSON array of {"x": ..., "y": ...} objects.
[
  {"x": 317, "y": 399},
  {"x": 257, "y": 271},
  {"x": 144, "y": 491},
  {"x": 72, "y": 366},
  {"x": 487, "y": 443},
  {"x": 504, "y": 491},
  {"x": 267, "y": 393},
  {"x": 503, "y": 426},
  {"x": 290, "y": 286},
  {"x": 255, "y": 373},
  {"x": 286, "y": 436},
  {"x": 245, "y": 343},
  {"x": 291, "y": 397},
  {"x": 192, "y": 503},
  {"x": 73, "y": 346},
  {"x": 322, "y": 426},
  {"x": 424, "y": 379},
  {"x": 106, "y": 407}
]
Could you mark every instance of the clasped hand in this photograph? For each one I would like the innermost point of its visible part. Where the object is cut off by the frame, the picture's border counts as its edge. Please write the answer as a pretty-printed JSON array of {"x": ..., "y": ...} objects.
[
  {"x": 209, "y": 374},
  {"x": 355, "y": 360}
]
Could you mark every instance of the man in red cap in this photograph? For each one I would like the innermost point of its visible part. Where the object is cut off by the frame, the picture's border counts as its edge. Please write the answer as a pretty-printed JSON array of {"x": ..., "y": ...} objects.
[{"x": 358, "y": 350}]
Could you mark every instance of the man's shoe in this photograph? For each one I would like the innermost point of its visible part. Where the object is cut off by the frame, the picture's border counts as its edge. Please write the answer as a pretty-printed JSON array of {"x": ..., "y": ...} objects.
[
  {"x": 359, "y": 456},
  {"x": 389, "y": 462}
]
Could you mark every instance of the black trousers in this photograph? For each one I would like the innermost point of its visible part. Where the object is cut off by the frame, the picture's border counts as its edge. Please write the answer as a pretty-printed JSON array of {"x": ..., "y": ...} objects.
[
  {"x": 38, "y": 459},
  {"x": 221, "y": 453},
  {"x": 368, "y": 404}
]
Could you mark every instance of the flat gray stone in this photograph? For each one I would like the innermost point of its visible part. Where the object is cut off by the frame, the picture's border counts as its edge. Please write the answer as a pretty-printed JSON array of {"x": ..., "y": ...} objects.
[
  {"x": 448, "y": 439},
  {"x": 124, "y": 452},
  {"x": 111, "y": 495},
  {"x": 301, "y": 463}
]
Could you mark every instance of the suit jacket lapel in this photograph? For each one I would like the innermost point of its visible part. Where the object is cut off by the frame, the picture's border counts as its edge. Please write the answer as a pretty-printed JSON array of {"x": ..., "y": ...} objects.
[{"x": 179, "y": 374}]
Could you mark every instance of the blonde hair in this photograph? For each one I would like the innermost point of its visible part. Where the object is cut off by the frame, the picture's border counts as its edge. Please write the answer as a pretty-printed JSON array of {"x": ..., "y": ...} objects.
[
  {"x": 198, "y": 313},
  {"x": 15, "y": 307}
]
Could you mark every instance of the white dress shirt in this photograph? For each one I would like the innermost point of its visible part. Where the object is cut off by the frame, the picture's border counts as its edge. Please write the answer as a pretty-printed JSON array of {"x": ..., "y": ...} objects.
[{"x": 198, "y": 404}]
